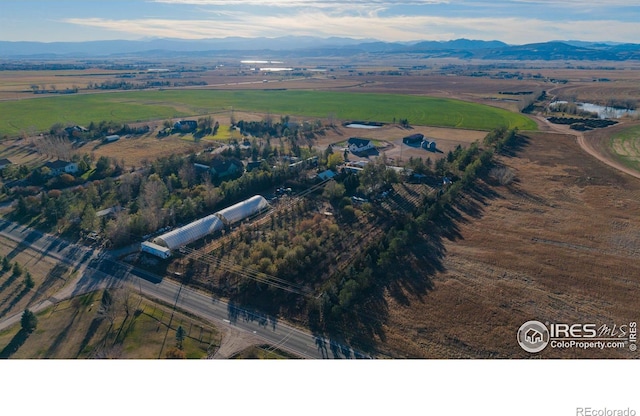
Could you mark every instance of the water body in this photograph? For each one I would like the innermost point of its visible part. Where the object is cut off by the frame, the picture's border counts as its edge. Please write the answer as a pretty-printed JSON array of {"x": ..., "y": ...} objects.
[
  {"x": 602, "y": 111},
  {"x": 276, "y": 69},
  {"x": 361, "y": 126},
  {"x": 607, "y": 112}
]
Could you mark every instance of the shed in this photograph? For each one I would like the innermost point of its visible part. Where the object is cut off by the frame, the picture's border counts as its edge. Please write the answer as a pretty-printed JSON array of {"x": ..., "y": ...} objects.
[
  {"x": 414, "y": 139},
  {"x": 111, "y": 138},
  {"x": 155, "y": 250},
  {"x": 326, "y": 175}
]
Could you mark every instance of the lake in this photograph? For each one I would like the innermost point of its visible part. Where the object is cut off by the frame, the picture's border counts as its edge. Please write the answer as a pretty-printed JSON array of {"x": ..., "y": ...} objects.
[
  {"x": 602, "y": 111},
  {"x": 361, "y": 126}
]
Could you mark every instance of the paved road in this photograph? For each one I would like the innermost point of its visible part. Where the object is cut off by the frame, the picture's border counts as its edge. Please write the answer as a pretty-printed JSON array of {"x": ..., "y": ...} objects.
[{"x": 99, "y": 269}]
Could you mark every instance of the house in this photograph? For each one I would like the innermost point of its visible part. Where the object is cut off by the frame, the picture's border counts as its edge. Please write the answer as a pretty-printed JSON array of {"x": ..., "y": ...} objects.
[
  {"x": 4, "y": 163},
  {"x": 413, "y": 140},
  {"x": 254, "y": 165},
  {"x": 357, "y": 145},
  {"x": 75, "y": 131},
  {"x": 59, "y": 167},
  {"x": 221, "y": 167},
  {"x": 186, "y": 126}
]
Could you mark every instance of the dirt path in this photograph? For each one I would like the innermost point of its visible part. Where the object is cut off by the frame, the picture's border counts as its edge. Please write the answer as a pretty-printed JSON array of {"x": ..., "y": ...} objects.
[
  {"x": 585, "y": 145},
  {"x": 234, "y": 341}
]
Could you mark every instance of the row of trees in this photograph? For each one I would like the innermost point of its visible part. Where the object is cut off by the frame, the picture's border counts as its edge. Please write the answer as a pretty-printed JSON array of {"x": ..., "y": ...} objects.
[{"x": 376, "y": 266}]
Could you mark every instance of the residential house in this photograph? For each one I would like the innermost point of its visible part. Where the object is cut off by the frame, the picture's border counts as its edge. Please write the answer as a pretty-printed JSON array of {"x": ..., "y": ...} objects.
[
  {"x": 221, "y": 167},
  {"x": 357, "y": 145},
  {"x": 59, "y": 167},
  {"x": 186, "y": 126},
  {"x": 4, "y": 163}
]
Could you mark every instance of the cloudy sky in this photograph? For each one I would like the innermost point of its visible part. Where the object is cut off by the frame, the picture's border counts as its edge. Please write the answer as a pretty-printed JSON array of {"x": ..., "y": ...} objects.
[{"x": 511, "y": 21}]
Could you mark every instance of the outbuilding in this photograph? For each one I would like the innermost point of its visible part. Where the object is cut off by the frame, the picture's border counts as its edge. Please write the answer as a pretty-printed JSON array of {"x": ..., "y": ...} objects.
[
  {"x": 242, "y": 210},
  {"x": 190, "y": 232},
  {"x": 110, "y": 139},
  {"x": 413, "y": 140}
]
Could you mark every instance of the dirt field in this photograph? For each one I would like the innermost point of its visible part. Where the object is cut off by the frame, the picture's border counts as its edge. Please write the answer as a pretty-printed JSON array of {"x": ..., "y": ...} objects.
[
  {"x": 558, "y": 245},
  {"x": 49, "y": 277}
]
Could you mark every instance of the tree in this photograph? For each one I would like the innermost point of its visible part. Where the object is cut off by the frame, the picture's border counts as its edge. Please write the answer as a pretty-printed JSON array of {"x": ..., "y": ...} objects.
[
  {"x": 106, "y": 309},
  {"x": 334, "y": 160},
  {"x": 17, "y": 270},
  {"x": 180, "y": 336},
  {"x": 6, "y": 264},
  {"x": 28, "y": 322},
  {"x": 103, "y": 167},
  {"x": 88, "y": 219},
  {"x": 28, "y": 281}
]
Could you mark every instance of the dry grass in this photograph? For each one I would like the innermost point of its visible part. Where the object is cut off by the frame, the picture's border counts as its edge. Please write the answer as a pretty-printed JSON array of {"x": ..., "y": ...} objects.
[
  {"x": 49, "y": 277},
  {"x": 558, "y": 245},
  {"x": 73, "y": 329}
]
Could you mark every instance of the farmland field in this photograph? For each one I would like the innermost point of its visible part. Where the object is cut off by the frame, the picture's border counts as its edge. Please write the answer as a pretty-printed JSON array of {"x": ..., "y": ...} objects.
[
  {"x": 560, "y": 243},
  {"x": 626, "y": 146},
  {"x": 42, "y": 113}
]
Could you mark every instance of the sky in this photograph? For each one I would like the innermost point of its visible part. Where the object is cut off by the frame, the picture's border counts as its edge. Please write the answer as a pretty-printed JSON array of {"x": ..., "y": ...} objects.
[{"x": 511, "y": 21}]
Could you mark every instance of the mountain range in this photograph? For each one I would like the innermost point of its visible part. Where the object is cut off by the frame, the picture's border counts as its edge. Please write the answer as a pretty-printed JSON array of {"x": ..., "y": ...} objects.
[{"x": 307, "y": 46}]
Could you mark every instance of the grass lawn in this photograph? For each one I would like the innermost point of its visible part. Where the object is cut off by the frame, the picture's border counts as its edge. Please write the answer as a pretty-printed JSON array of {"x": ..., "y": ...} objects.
[
  {"x": 41, "y": 113},
  {"x": 74, "y": 329}
]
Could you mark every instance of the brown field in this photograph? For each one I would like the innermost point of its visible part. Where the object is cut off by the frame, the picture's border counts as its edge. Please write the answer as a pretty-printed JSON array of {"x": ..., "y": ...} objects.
[
  {"x": 558, "y": 245},
  {"x": 49, "y": 277}
]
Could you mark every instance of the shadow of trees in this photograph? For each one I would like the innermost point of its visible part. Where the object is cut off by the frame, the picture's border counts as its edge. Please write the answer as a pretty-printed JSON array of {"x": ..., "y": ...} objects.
[
  {"x": 16, "y": 342},
  {"x": 397, "y": 265}
]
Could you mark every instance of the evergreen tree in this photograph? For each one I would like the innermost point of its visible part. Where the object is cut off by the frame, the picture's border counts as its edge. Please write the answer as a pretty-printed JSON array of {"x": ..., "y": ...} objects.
[
  {"x": 180, "y": 336},
  {"x": 28, "y": 321}
]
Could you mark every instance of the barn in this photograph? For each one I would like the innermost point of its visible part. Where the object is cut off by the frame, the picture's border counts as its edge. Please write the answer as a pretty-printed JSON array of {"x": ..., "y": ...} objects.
[{"x": 413, "y": 140}]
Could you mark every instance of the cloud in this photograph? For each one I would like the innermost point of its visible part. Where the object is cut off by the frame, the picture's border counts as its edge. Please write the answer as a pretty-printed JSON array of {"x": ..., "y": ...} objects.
[
  {"x": 393, "y": 28},
  {"x": 303, "y": 3},
  {"x": 573, "y": 3}
]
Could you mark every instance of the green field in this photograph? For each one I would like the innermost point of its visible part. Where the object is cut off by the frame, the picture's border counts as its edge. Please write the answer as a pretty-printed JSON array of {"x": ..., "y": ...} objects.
[
  {"x": 40, "y": 114},
  {"x": 625, "y": 145}
]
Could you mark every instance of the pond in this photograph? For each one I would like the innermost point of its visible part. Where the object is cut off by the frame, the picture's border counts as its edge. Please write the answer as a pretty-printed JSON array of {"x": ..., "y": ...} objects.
[
  {"x": 361, "y": 126},
  {"x": 607, "y": 112},
  {"x": 602, "y": 111}
]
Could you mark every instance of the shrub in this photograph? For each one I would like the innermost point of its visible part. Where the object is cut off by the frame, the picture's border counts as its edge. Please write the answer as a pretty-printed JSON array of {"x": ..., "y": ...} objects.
[{"x": 503, "y": 175}]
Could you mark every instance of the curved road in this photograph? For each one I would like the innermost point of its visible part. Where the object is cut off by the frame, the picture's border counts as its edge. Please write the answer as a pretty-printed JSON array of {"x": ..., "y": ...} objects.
[{"x": 99, "y": 269}]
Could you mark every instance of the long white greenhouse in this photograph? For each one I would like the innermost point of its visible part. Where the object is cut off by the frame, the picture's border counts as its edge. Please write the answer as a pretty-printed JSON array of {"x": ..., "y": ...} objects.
[
  {"x": 242, "y": 210},
  {"x": 210, "y": 224},
  {"x": 190, "y": 232}
]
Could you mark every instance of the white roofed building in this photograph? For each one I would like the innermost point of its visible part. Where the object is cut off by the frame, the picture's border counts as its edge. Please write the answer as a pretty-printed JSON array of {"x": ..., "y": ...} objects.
[
  {"x": 190, "y": 232},
  {"x": 242, "y": 210}
]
